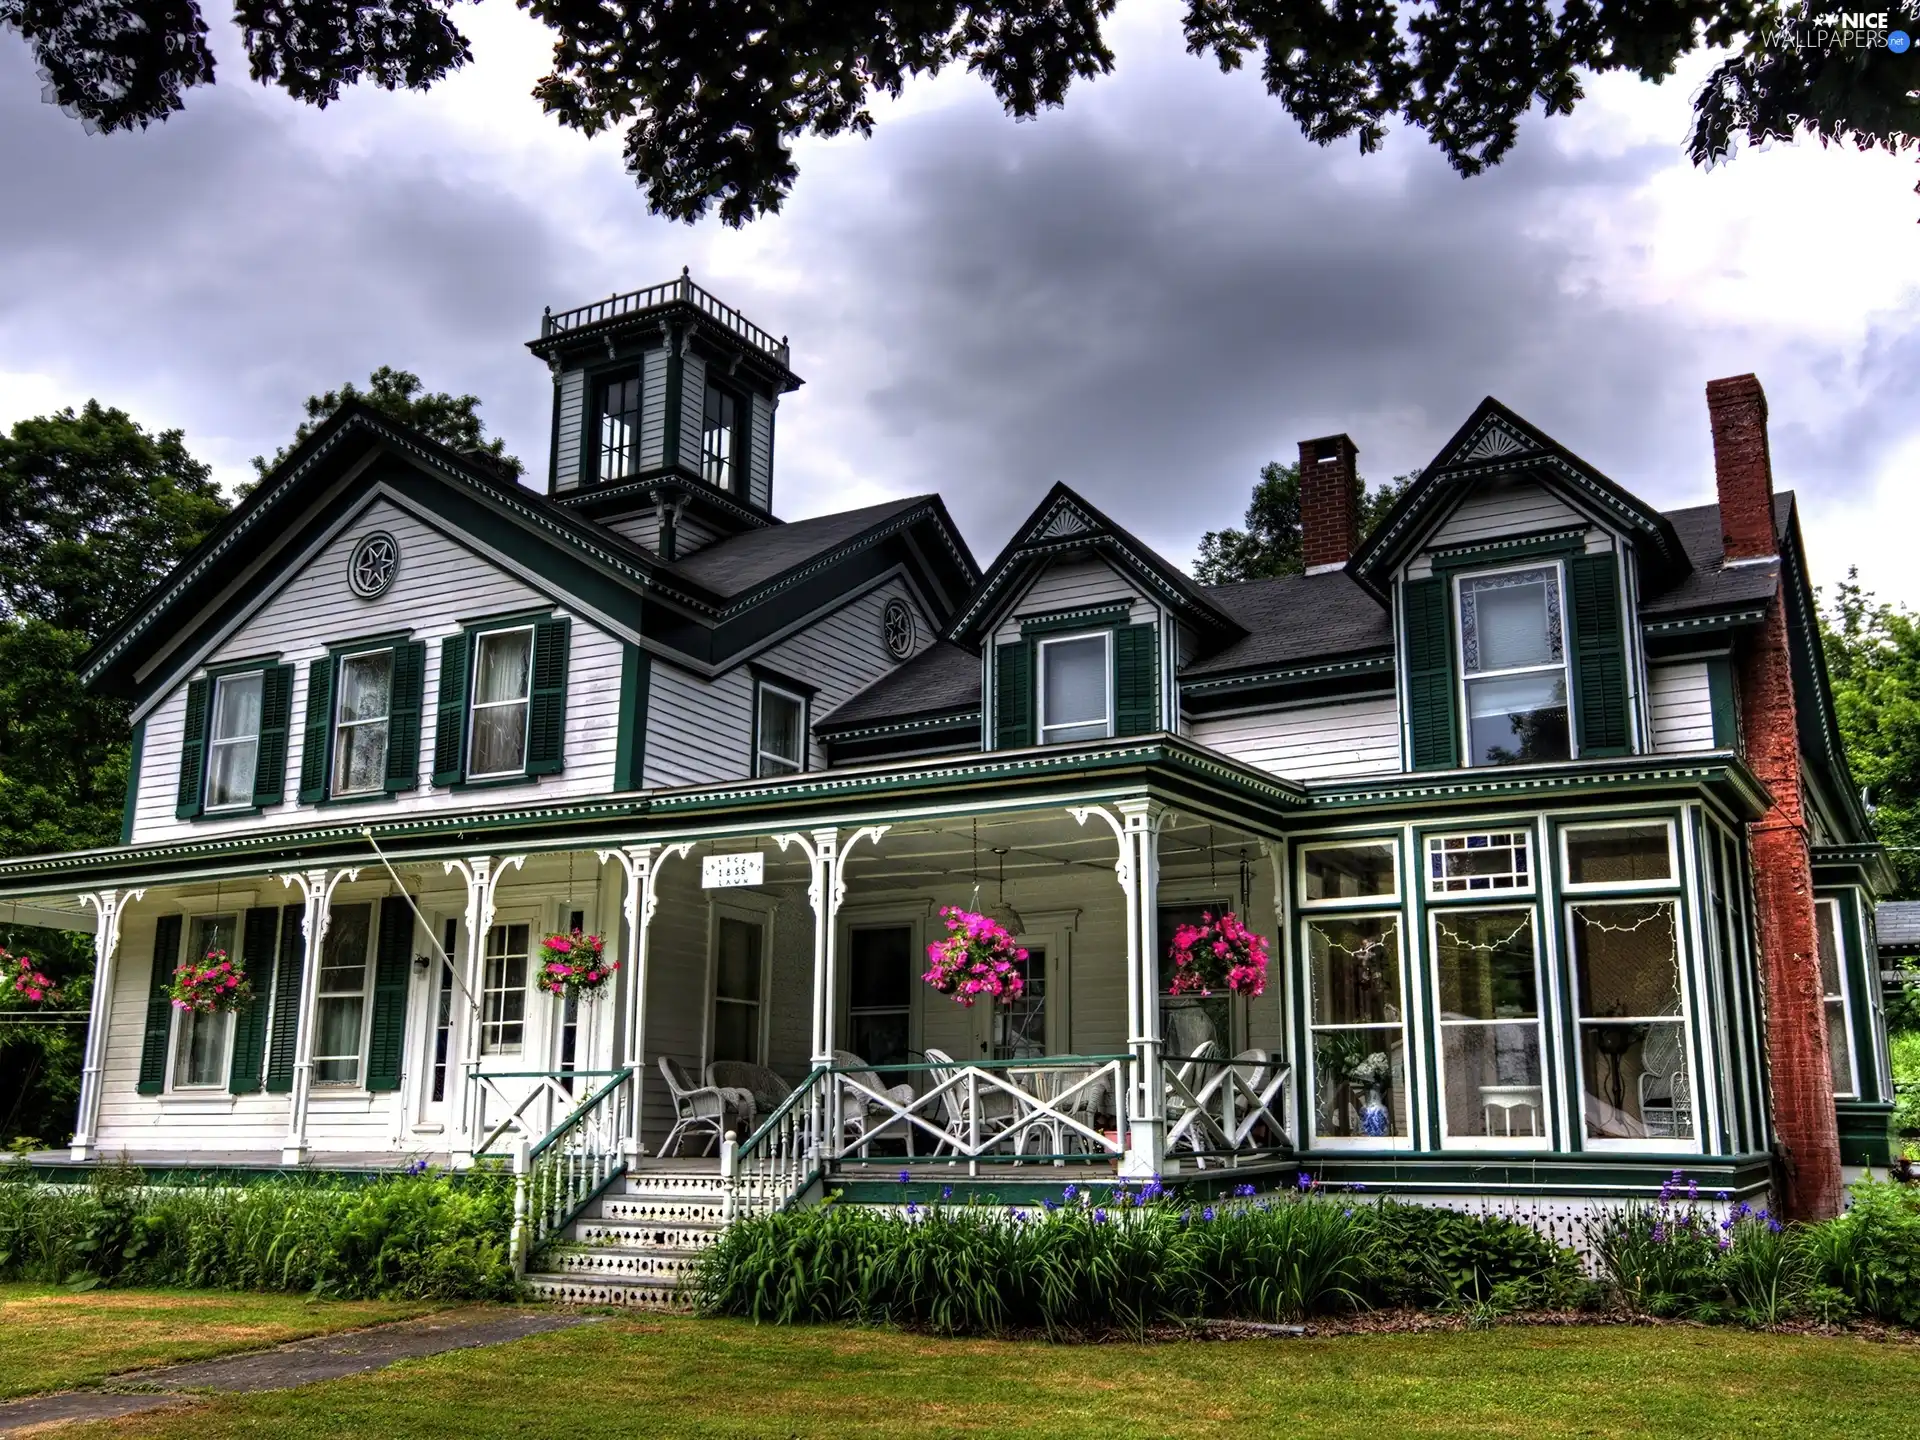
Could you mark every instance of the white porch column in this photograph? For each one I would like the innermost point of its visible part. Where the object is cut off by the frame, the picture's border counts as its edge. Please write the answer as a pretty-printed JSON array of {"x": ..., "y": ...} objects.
[
  {"x": 482, "y": 874},
  {"x": 316, "y": 888},
  {"x": 641, "y": 865},
  {"x": 1136, "y": 825},
  {"x": 108, "y": 908}
]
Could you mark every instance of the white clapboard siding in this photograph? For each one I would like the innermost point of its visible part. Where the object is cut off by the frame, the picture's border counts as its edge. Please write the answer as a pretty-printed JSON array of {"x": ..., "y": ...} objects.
[
  {"x": 760, "y": 453},
  {"x": 1497, "y": 508},
  {"x": 1069, "y": 584},
  {"x": 569, "y": 401},
  {"x": 439, "y": 587},
  {"x": 642, "y": 529},
  {"x": 693, "y": 391},
  {"x": 1314, "y": 742},
  {"x": 1682, "y": 706},
  {"x": 653, "y": 408},
  {"x": 699, "y": 731},
  {"x": 690, "y": 535}
]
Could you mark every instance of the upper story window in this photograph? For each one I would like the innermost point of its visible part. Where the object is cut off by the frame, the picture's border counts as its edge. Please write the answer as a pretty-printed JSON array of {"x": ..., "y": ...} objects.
[
  {"x": 502, "y": 685},
  {"x": 619, "y": 410},
  {"x": 1514, "y": 666},
  {"x": 780, "y": 732},
  {"x": 720, "y": 450},
  {"x": 1076, "y": 688},
  {"x": 233, "y": 740},
  {"x": 362, "y": 716}
]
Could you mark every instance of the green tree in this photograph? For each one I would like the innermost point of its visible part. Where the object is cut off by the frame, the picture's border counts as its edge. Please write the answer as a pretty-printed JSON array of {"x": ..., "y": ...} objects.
[
  {"x": 1269, "y": 546},
  {"x": 712, "y": 93},
  {"x": 1873, "y": 659},
  {"x": 453, "y": 420}
]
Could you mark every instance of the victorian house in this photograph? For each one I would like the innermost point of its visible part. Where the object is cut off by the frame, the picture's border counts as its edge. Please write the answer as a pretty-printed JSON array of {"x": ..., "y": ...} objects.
[{"x": 1536, "y": 798}]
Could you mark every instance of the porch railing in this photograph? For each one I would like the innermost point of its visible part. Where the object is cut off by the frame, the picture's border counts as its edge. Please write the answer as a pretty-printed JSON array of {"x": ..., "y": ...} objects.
[
  {"x": 523, "y": 1101},
  {"x": 560, "y": 1175},
  {"x": 780, "y": 1160},
  {"x": 1222, "y": 1109}
]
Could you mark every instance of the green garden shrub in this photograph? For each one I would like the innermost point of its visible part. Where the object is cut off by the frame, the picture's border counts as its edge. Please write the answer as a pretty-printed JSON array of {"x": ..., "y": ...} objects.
[
  {"x": 1871, "y": 1251},
  {"x": 1427, "y": 1256}
]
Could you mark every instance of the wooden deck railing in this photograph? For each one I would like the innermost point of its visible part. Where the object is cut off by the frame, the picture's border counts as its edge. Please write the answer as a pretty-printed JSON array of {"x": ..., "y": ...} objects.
[
  {"x": 1217, "y": 1107},
  {"x": 681, "y": 291}
]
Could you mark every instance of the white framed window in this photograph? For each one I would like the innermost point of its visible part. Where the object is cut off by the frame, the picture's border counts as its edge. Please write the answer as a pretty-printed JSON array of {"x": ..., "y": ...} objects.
[
  {"x": 503, "y": 990},
  {"x": 1357, "y": 1023},
  {"x": 202, "y": 1044},
  {"x": 1486, "y": 980},
  {"x": 362, "y": 704},
  {"x": 1350, "y": 872},
  {"x": 1480, "y": 862},
  {"x": 1835, "y": 998},
  {"x": 740, "y": 966},
  {"x": 1618, "y": 855},
  {"x": 1630, "y": 1005},
  {"x": 502, "y": 682},
  {"x": 779, "y": 732},
  {"x": 233, "y": 740},
  {"x": 1076, "y": 687},
  {"x": 341, "y": 1012},
  {"x": 881, "y": 975},
  {"x": 1513, "y": 665}
]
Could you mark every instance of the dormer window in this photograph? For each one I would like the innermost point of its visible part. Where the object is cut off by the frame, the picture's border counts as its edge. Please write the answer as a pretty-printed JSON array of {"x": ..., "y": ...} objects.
[
  {"x": 1076, "y": 688},
  {"x": 1513, "y": 659},
  {"x": 720, "y": 439},
  {"x": 619, "y": 410}
]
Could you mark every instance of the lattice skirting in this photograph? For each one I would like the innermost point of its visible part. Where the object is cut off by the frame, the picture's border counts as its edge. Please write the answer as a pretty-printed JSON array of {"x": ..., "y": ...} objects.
[
  {"x": 570, "y": 1290},
  {"x": 1567, "y": 1220}
]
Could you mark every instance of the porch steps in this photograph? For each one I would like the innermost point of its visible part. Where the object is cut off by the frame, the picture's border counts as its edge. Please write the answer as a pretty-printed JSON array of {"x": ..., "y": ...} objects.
[{"x": 635, "y": 1246}]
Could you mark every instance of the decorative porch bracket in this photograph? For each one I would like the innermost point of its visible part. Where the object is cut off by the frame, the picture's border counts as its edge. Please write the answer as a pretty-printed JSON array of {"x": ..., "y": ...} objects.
[
  {"x": 826, "y": 892},
  {"x": 641, "y": 865},
  {"x": 482, "y": 874},
  {"x": 109, "y": 906},
  {"x": 1136, "y": 825},
  {"x": 316, "y": 889}
]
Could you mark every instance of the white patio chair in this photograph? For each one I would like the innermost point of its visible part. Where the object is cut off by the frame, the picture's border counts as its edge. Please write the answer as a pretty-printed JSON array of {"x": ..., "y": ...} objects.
[
  {"x": 1257, "y": 1079},
  {"x": 702, "y": 1109},
  {"x": 997, "y": 1108},
  {"x": 1191, "y": 1084},
  {"x": 864, "y": 1119},
  {"x": 769, "y": 1091}
]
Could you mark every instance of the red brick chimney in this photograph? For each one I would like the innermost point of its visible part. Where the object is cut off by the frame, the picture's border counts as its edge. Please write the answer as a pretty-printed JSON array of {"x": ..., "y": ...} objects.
[
  {"x": 1801, "y": 1082},
  {"x": 1329, "y": 502}
]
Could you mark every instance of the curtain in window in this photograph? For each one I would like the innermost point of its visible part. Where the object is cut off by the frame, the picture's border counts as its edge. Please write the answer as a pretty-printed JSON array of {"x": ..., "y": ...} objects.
[
  {"x": 500, "y": 703},
  {"x": 366, "y": 685}
]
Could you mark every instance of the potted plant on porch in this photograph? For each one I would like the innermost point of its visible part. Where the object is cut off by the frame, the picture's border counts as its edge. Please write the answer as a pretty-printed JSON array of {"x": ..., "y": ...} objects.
[
  {"x": 1220, "y": 953},
  {"x": 212, "y": 985}
]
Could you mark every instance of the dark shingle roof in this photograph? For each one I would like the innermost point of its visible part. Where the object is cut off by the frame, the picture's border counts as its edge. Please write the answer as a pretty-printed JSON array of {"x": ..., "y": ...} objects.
[
  {"x": 940, "y": 680},
  {"x": 1897, "y": 924},
  {"x": 734, "y": 566},
  {"x": 1296, "y": 618},
  {"x": 1708, "y": 586}
]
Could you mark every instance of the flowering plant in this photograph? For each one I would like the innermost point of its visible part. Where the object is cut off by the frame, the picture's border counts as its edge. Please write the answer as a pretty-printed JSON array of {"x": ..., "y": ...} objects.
[
  {"x": 24, "y": 977},
  {"x": 1220, "y": 953},
  {"x": 213, "y": 985},
  {"x": 575, "y": 964},
  {"x": 977, "y": 958}
]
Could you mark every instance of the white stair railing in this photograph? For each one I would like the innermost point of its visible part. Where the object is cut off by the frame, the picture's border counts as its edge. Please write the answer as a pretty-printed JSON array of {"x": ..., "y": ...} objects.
[
  {"x": 560, "y": 1175},
  {"x": 781, "y": 1159}
]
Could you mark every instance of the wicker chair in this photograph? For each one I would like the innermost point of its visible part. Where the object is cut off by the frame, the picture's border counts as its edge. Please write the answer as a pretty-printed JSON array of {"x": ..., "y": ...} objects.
[
  {"x": 701, "y": 1109},
  {"x": 859, "y": 1114},
  {"x": 769, "y": 1091}
]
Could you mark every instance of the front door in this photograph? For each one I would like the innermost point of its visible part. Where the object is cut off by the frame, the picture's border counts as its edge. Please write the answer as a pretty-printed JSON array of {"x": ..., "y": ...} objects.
[
  {"x": 1018, "y": 1031},
  {"x": 440, "y": 1074}
]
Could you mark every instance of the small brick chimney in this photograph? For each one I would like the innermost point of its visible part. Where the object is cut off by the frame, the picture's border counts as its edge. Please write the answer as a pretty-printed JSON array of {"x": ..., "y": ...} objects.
[
  {"x": 1804, "y": 1123},
  {"x": 1742, "y": 467},
  {"x": 1329, "y": 502}
]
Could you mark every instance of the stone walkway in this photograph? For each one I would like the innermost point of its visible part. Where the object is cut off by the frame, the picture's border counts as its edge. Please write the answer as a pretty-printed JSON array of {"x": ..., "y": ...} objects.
[{"x": 299, "y": 1362}]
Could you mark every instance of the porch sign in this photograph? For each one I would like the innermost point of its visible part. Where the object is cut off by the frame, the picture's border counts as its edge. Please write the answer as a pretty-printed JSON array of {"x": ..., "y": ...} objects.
[{"x": 722, "y": 872}]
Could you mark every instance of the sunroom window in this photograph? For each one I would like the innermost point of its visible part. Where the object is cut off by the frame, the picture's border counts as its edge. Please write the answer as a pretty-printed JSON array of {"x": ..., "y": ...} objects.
[
  {"x": 619, "y": 427},
  {"x": 1833, "y": 995},
  {"x": 233, "y": 740},
  {"x": 780, "y": 731},
  {"x": 1358, "y": 1028},
  {"x": 1076, "y": 688},
  {"x": 1631, "y": 1002},
  {"x": 502, "y": 676},
  {"x": 1486, "y": 977},
  {"x": 1513, "y": 655},
  {"x": 361, "y": 714}
]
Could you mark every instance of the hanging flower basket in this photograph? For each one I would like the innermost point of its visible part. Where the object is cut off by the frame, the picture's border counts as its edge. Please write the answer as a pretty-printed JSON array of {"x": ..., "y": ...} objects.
[
  {"x": 1220, "y": 953},
  {"x": 22, "y": 979},
  {"x": 977, "y": 960},
  {"x": 213, "y": 985},
  {"x": 574, "y": 963}
]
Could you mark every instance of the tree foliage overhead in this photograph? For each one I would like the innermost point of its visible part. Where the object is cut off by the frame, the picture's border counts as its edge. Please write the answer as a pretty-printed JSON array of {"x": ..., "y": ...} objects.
[
  {"x": 453, "y": 420},
  {"x": 712, "y": 93},
  {"x": 1270, "y": 545},
  {"x": 1873, "y": 660}
]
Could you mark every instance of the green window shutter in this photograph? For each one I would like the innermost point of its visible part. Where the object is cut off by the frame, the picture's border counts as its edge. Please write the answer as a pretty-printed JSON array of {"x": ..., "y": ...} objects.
[
  {"x": 193, "y": 751},
  {"x": 1433, "y": 728},
  {"x": 403, "y": 711},
  {"x": 547, "y": 712},
  {"x": 1013, "y": 695},
  {"x": 159, "y": 1029},
  {"x": 450, "y": 719},
  {"x": 250, "y": 1025},
  {"x": 286, "y": 999},
  {"x": 393, "y": 958},
  {"x": 276, "y": 717},
  {"x": 130, "y": 811},
  {"x": 1599, "y": 659},
  {"x": 1726, "y": 714},
  {"x": 630, "y": 748},
  {"x": 1136, "y": 679},
  {"x": 319, "y": 732}
]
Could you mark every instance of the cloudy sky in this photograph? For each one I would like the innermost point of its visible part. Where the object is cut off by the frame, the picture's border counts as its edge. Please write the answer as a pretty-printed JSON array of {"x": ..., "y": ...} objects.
[{"x": 1146, "y": 295}]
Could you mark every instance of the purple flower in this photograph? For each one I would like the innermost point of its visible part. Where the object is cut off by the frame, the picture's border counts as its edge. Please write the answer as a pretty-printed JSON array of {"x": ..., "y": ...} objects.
[
  {"x": 1243, "y": 1190},
  {"x": 1099, "y": 1216},
  {"x": 912, "y": 1209},
  {"x": 1070, "y": 1192},
  {"x": 1775, "y": 1226},
  {"x": 1051, "y": 1206},
  {"x": 1304, "y": 1180},
  {"x": 1207, "y": 1214},
  {"x": 1719, "y": 1194},
  {"x": 946, "y": 1192},
  {"x": 1659, "y": 1234},
  {"x": 905, "y": 1176}
]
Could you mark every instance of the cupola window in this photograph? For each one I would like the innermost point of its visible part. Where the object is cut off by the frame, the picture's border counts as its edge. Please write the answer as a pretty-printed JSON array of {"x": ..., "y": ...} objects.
[
  {"x": 720, "y": 440},
  {"x": 619, "y": 428}
]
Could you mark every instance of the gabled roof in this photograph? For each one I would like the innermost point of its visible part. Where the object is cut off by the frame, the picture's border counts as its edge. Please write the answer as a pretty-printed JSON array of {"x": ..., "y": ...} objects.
[
  {"x": 1294, "y": 619},
  {"x": 942, "y": 679},
  {"x": 1064, "y": 522},
  {"x": 1708, "y": 587},
  {"x": 736, "y": 565},
  {"x": 1495, "y": 441}
]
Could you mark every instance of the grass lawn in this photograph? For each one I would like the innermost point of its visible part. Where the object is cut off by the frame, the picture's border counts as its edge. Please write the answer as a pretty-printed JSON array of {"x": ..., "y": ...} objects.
[
  {"x": 56, "y": 1339},
  {"x": 684, "y": 1377}
]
